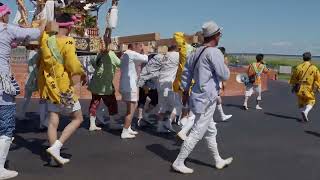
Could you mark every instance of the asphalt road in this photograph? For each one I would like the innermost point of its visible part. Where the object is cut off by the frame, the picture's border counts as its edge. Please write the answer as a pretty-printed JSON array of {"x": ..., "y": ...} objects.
[{"x": 266, "y": 145}]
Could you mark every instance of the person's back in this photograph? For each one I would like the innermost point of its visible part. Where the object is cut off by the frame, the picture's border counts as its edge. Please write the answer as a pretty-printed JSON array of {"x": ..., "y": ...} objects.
[
  {"x": 256, "y": 70},
  {"x": 208, "y": 71},
  {"x": 206, "y": 67},
  {"x": 150, "y": 72},
  {"x": 128, "y": 84},
  {"x": 105, "y": 68},
  {"x": 305, "y": 80},
  {"x": 58, "y": 72},
  {"x": 50, "y": 68},
  {"x": 129, "y": 77},
  {"x": 169, "y": 67},
  {"x": 169, "y": 101},
  {"x": 307, "y": 73},
  {"x": 128, "y": 71}
]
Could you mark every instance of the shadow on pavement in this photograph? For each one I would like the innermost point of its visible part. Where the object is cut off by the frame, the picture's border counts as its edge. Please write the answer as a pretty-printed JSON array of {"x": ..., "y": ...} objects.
[
  {"x": 313, "y": 133},
  {"x": 283, "y": 116},
  {"x": 150, "y": 130},
  {"x": 234, "y": 105},
  {"x": 34, "y": 145},
  {"x": 170, "y": 155}
]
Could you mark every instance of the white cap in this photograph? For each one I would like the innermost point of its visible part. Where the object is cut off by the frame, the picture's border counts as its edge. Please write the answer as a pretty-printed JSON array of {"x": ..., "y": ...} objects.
[{"x": 210, "y": 28}]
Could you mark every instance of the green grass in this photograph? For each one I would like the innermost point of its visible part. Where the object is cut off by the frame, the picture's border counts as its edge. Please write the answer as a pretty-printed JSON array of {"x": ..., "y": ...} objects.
[
  {"x": 284, "y": 77},
  {"x": 274, "y": 62}
]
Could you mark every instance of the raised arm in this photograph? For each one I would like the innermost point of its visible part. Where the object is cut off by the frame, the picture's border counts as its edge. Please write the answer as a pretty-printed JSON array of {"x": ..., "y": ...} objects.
[
  {"x": 140, "y": 58},
  {"x": 21, "y": 34}
]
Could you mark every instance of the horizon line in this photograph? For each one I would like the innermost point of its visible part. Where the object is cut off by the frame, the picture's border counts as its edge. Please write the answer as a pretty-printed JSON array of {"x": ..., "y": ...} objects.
[{"x": 270, "y": 54}]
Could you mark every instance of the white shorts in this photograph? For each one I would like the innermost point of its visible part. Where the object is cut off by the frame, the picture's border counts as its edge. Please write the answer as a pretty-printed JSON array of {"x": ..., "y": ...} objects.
[
  {"x": 169, "y": 102},
  {"x": 130, "y": 96},
  {"x": 250, "y": 89},
  {"x": 59, "y": 108}
]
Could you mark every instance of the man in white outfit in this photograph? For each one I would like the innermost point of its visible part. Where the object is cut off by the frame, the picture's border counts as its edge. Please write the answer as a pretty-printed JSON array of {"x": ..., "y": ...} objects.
[
  {"x": 206, "y": 66},
  {"x": 128, "y": 84},
  {"x": 188, "y": 121},
  {"x": 169, "y": 101}
]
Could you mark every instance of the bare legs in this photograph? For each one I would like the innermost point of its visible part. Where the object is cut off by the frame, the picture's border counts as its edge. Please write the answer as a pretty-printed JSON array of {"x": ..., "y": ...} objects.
[
  {"x": 56, "y": 144},
  {"x": 127, "y": 132}
]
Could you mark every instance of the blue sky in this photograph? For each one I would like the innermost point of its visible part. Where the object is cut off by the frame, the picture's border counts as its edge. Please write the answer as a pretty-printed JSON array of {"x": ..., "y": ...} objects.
[{"x": 266, "y": 26}]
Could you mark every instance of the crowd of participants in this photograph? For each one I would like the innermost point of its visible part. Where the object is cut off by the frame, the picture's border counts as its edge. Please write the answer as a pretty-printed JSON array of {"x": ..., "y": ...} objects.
[{"x": 181, "y": 86}]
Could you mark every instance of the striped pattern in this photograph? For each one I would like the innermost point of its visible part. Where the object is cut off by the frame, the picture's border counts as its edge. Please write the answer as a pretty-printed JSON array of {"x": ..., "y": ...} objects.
[
  {"x": 15, "y": 85},
  {"x": 7, "y": 120}
]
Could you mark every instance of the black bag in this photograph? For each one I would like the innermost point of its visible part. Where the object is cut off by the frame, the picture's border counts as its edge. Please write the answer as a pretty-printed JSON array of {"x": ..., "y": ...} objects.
[
  {"x": 252, "y": 79},
  {"x": 296, "y": 88}
]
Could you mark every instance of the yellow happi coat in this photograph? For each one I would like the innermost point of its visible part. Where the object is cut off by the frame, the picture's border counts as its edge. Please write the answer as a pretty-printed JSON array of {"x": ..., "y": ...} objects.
[
  {"x": 309, "y": 83},
  {"x": 184, "y": 50},
  {"x": 54, "y": 77}
]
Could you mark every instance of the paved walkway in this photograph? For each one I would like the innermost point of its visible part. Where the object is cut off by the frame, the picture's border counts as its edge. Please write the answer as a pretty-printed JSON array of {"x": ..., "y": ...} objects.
[{"x": 266, "y": 145}]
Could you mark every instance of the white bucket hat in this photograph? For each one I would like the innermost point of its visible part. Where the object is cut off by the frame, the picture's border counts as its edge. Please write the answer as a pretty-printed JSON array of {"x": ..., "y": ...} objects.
[{"x": 210, "y": 28}]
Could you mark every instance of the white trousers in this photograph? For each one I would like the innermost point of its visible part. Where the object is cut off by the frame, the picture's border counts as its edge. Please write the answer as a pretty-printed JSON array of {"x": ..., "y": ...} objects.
[
  {"x": 204, "y": 127},
  {"x": 251, "y": 89}
]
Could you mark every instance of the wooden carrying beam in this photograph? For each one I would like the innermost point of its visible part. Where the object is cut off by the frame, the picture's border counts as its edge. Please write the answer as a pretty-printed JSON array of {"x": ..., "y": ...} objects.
[
  {"x": 166, "y": 42},
  {"x": 139, "y": 38}
]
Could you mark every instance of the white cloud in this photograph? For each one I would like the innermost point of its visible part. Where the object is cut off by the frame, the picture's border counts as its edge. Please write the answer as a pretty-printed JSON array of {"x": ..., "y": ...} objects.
[{"x": 282, "y": 44}]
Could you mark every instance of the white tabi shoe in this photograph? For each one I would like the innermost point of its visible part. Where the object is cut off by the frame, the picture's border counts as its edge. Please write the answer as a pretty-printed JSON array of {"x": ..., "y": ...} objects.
[
  {"x": 245, "y": 106},
  {"x": 182, "y": 135},
  {"x": 132, "y": 131},
  {"x": 7, "y": 174},
  {"x": 56, "y": 156},
  {"x": 223, "y": 163},
  {"x": 181, "y": 168},
  {"x": 5, "y": 143},
  {"x": 226, "y": 117},
  {"x": 258, "y": 107},
  {"x": 126, "y": 134},
  {"x": 94, "y": 128},
  {"x": 304, "y": 116}
]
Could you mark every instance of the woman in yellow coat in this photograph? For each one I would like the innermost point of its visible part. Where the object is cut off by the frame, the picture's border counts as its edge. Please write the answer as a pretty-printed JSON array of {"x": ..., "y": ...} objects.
[
  {"x": 57, "y": 67},
  {"x": 305, "y": 80}
]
